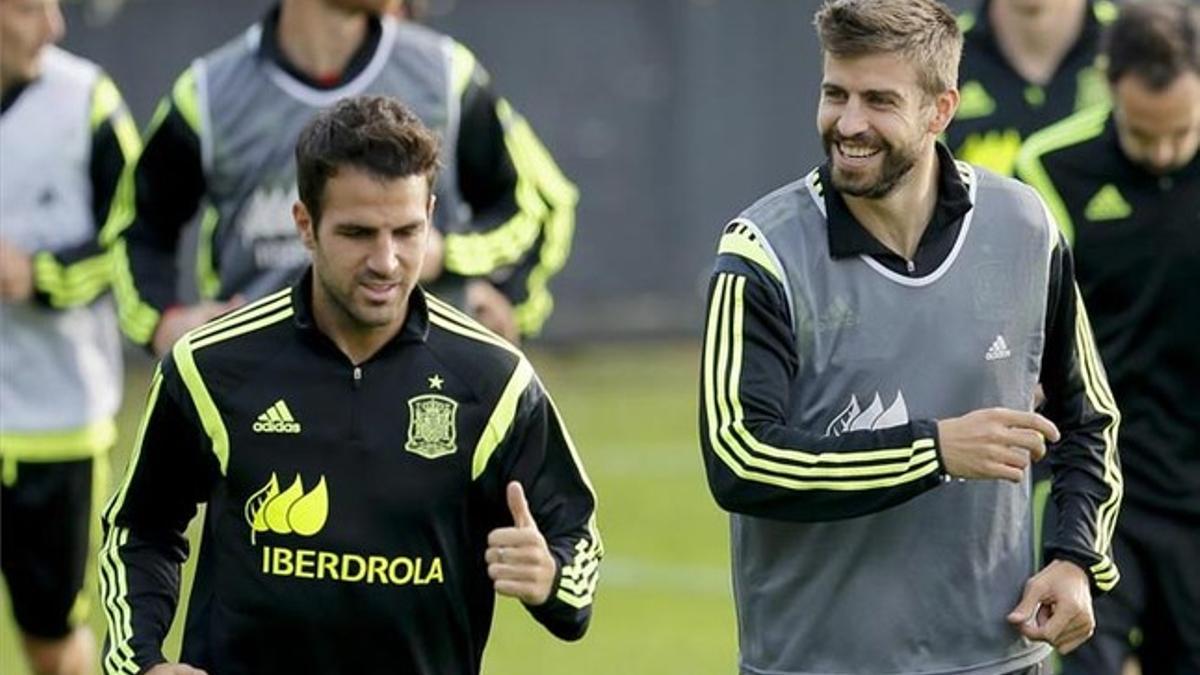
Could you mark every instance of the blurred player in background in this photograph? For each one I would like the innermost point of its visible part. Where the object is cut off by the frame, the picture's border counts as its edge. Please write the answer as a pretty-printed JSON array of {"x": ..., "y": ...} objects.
[
  {"x": 875, "y": 331},
  {"x": 65, "y": 139},
  {"x": 221, "y": 140},
  {"x": 1124, "y": 185},
  {"x": 1026, "y": 64}
]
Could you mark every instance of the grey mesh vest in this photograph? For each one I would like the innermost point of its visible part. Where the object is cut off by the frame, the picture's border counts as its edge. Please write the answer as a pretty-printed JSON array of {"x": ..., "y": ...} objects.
[
  {"x": 251, "y": 113},
  {"x": 60, "y": 369},
  {"x": 923, "y": 587}
]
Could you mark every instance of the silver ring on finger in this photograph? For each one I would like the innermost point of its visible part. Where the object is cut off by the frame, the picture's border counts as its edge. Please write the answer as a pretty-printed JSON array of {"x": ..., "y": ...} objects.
[{"x": 500, "y": 555}]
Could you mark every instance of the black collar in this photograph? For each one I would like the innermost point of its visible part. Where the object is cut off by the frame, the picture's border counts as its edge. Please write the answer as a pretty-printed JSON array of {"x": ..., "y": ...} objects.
[
  {"x": 1084, "y": 47},
  {"x": 414, "y": 329},
  {"x": 268, "y": 48},
  {"x": 847, "y": 236},
  {"x": 10, "y": 96}
]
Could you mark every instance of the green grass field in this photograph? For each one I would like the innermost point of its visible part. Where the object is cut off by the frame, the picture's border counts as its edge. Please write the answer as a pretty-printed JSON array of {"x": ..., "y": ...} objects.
[{"x": 664, "y": 604}]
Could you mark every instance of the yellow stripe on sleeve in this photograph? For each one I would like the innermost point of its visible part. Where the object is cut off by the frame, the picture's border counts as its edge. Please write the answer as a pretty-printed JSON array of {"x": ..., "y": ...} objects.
[
  {"x": 1099, "y": 395},
  {"x": 71, "y": 285},
  {"x": 462, "y": 67},
  {"x": 546, "y": 202},
  {"x": 138, "y": 318},
  {"x": 742, "y": 242},
  {"x": 789, "y": 468},
  {"x": 114, "y": 587},
  {"x": 185, "y": 95},
  {"x": 560, "y": 197},
  {"x": 502, "y": 418},
  {"x": 577, "y": 585}
]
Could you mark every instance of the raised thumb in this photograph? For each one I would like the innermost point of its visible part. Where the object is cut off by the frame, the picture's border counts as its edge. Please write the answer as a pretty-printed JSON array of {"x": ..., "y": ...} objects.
[{"x": 518, "y": 507}]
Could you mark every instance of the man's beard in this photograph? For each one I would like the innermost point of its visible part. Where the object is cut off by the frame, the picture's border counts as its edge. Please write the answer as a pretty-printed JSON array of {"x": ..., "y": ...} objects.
[{"x": 895, "y": 166}]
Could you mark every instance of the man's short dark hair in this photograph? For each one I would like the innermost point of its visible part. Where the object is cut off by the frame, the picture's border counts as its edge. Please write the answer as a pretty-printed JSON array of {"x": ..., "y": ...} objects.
[
  {"x": 924, "y": 32},
  {"x": 1157, "y": 40},
  {"x": 374, "y": 134}
]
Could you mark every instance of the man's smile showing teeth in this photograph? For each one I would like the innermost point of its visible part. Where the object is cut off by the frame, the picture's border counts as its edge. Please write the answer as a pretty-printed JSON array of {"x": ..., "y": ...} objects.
[{"x": 856, "y": 152}]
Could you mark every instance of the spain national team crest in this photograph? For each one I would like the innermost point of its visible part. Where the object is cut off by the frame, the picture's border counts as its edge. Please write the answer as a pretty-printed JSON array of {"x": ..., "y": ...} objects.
[{"x": 431, "y": 426}]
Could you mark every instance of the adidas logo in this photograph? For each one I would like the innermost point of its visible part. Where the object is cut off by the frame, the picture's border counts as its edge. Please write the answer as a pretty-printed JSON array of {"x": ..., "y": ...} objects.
[
  {"x": 277, "y": 420},
  {"x": 998, "y": 350},
  {"x": 1107, "y": 204}
]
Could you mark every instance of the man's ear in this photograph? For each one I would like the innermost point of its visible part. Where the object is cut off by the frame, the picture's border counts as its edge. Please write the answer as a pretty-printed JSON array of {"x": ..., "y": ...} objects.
[
  {"x": 305, "y": 226},
  {"x": 945, "y": 105}
]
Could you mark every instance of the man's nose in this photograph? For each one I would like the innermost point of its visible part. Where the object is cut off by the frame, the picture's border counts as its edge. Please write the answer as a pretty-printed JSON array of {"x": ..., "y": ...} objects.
[
  {"x": 852, "y": 121},
  {"x": 1161, "y": 154},
  {"x": 384, "y": 259}
]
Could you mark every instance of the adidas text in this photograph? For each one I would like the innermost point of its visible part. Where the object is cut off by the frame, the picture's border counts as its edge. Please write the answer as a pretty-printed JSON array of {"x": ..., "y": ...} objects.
[
  {"x": 277, "y": 427},
  {"x": 277, "y": 419}
]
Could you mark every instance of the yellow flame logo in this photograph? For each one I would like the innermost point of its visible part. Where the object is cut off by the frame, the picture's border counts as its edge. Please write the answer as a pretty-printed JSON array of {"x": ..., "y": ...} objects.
[{"x": 292, "y": 511}]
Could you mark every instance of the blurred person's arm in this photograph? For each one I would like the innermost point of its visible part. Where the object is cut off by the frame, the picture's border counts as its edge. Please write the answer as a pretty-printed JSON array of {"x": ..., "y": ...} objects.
[
  {"x": 77, "y": 274},
  {"x": 1086, "y": 470},
  {"x": 173, "y": 467},
  {"x": 1056, "y": 602},
  {"x": 523, "y": 206},
  {"x": 167, "y": 185}
]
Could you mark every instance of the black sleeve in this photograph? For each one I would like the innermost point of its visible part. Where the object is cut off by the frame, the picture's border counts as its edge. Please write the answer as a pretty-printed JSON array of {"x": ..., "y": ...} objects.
[
  {"x": 486, "y": 174},
  {"x": 523, "y": 207},
  {"x": 540, "y": 455},
  {"x": 502, "y": 228},
  {"x": 115, "y": 144},
  {"x": 1086, "y": 484},
  {"x": 757, "y": 463},
  {"x": 168, "y": 185},
  {"x": 75, "y": 275},
  {"x": 172, "y": 469}
]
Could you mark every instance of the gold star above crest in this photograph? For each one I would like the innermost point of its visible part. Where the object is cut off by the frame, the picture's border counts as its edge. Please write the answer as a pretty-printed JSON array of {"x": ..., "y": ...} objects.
[{"x": 436, "y": 382}]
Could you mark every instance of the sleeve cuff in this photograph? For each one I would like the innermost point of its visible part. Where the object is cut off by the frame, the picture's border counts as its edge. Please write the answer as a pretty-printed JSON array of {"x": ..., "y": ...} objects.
[
  {"x": 927, "y": 428},
  {"x": 1089, "y": 563},
  {"x": 560, "y": 618}
]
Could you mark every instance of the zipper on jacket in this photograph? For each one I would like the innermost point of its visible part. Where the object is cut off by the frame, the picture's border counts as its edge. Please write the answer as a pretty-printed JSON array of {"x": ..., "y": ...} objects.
[{"x": 355, "y": 385}]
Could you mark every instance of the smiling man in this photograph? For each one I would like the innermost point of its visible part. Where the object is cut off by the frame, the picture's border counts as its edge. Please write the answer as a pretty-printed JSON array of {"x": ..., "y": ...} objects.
[
  {"x": 377, "y": 466},
  {"x": 875, "y": 333}
]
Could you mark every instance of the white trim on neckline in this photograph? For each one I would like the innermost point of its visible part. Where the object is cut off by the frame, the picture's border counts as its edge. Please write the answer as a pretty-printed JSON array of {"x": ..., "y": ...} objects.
[{"x": 968, "y": 174}]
